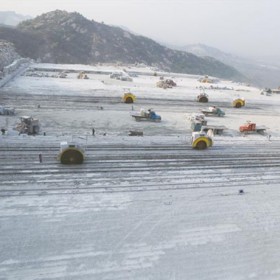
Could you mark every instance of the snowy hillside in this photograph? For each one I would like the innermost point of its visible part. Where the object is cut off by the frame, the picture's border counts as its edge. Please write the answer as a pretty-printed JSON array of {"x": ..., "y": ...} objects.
[
  {"x": 70, "y": 38},
  {"x": 7, "y": 54},
  {"x": 147, "y": 207}
]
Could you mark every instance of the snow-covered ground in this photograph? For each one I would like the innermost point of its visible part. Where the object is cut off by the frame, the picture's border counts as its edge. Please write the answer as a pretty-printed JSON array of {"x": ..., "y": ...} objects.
[{"x": 139, "y": 207}]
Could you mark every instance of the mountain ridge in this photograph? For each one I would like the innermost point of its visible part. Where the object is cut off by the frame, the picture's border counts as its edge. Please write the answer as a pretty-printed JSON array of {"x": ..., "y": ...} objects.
[
  {"x": 261, "y": 73},
  {"x": 11, "y": 18},
  {"x": 63, "y": 37}
]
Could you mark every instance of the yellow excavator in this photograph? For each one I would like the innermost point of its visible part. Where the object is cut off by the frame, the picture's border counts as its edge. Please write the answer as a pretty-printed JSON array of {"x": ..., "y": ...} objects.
[
  {"x": 128, "y": 98},
  {"x": 238, "y": 102},
  {"x": 201, "y": 140}
]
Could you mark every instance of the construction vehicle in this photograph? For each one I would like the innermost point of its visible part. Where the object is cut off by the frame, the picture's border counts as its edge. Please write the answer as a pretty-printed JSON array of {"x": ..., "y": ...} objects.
[
  {"x": 250, "y": 127},
  {"x": 128, "y": 97},
  {"x": 216, "y": 129},
  {"x": 122, "y": 76},
  {"x": 203, "y": 127},
  {"x": 168, "y": 83},
  {"x": 208, "y": 80},
  {"x": 146, "y": 115},
  {"x": 82, "y": 75},
  {"x": 62, "y": 75},
  {"x": 162, "y": 84},
  {"x": 197, "y": 117},
  {"x": 197, "y": 120},
  {"x": 71, "y": 153},
  {"x": 28, "y": 125},
  {"x": 201, "y": 140},
  {"x": 199, "y": 124},
  {"x": 202, "y": 97},
  {"x": 238, "y": 102},
  {"x": 213, "y": 111},
  {"x": 276, "y": 90},
  {"x": 7, "y": 111},
  {"x": 266, "y": 91},
  {"x": 116, "y": 75}
]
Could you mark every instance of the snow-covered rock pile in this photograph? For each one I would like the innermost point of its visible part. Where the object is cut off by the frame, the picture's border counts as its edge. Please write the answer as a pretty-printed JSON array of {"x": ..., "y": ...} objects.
[
  {"x": 10, "y": 62},
  {"x": 15, "y": 65},
  {"x": 7, "y": 54}
]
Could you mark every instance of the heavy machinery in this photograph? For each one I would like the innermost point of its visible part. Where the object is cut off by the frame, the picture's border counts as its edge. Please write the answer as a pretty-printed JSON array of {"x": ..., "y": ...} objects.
[
  {"x": 197, "y": 117},
  {"x": 197, "y": 121},
  {"x": 213, "y": 111},
  {"x": 71, "y": 153},
  {"x": 276, "y": 90},
  {"x": 203, "y": 127},
  {"x": 266, "y": 91},
  {"x": 115, "y": 75},
  {"x": 216, "y": 129},
  {"x": 146, "y": 115},
  {"x": 62, "y": 75},
  {"x": 28, "y": 125},
  {"x": 128, "y": 98},
  {"x": 162, "y": 84},
  {"x": 238, "y": 102},
  {"x": 199, "y": 124},
  {"x": 122, "y": 76},
  {"x": 82, "y": 75},
  {"x": 250, "y": 127},
  {"x": 7, "y": 111},
  {"x": 206, "y": 79},
  {"x": 201, "y": 140},
  {"x": 202, "y": 97},
  {"x": 168, "y": 83}
]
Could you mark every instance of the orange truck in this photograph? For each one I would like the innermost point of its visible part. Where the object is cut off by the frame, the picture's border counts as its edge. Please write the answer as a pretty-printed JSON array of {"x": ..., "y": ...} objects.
[{"x": 251, "y": 128}]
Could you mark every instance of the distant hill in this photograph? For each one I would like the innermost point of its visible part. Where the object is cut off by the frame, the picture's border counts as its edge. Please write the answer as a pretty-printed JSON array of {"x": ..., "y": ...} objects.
[
  {"x": 62, "y": 37},
  {"x": 11, "y": 18},
  {"x": 263, "y": 72}
]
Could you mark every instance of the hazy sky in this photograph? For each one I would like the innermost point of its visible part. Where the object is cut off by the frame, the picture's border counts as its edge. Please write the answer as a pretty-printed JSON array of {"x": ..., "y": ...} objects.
[{"x": 237, "y": 26}]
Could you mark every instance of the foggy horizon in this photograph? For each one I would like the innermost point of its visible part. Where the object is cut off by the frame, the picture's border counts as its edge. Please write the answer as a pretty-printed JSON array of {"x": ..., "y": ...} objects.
[{"x": 246, "y": 28}]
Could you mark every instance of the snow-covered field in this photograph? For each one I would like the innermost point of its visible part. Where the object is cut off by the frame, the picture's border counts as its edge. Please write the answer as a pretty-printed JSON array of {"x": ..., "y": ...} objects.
[{"x": 146, "y": 207}]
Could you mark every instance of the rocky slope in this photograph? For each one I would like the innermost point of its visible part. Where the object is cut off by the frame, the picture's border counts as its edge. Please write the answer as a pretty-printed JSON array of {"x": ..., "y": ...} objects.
[{"x": 7, "y": 54}]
